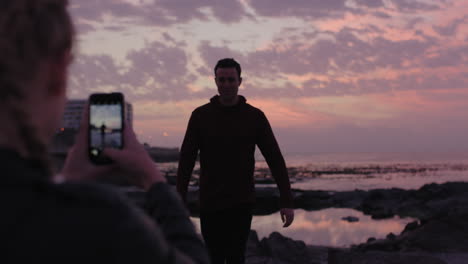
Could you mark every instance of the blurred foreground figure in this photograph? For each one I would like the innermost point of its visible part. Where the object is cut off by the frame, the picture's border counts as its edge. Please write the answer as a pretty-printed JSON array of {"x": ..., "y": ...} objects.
[
  {"x": 43, "y": 222},
  {"x": 226, "y": 131}
]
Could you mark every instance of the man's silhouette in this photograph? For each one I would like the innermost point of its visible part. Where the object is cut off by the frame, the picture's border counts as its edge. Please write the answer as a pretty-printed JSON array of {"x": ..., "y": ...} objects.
[
  {"x": 226, "y": 131},
  {"x": 103, "y": 135}
]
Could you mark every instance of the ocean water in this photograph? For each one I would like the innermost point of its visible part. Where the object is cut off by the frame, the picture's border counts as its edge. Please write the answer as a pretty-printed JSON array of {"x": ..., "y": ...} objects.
[{"x": 365, "y": 171}]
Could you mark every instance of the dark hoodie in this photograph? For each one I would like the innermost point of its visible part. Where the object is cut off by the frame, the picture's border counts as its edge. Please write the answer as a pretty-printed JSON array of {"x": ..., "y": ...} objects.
[
  {"x": 226, "y": 137},
  {"x": 43, "y": 222}
]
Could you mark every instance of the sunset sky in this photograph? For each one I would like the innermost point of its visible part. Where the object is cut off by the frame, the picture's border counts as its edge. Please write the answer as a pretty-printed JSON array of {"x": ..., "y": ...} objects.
[{"x": 331, "y": 75}]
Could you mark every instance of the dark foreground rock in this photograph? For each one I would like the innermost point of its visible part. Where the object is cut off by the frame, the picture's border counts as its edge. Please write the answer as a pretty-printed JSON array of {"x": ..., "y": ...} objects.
[
  {"x": 424, "y": 203},
  {"x": 278, "y": 249},
  {"x": 443, "y": 238},
  {"x": 350, "y": 257},
  {"x": 439, "y": 236},
  {"x": 444, "y": 233}
]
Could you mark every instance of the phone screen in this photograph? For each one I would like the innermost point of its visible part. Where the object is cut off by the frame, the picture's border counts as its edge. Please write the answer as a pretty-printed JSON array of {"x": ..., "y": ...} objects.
[{"x": 105, "y": 125}]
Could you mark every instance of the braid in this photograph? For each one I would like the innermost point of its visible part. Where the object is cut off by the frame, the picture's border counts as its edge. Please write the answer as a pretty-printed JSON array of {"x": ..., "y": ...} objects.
[{"x": 30, "y": 32}]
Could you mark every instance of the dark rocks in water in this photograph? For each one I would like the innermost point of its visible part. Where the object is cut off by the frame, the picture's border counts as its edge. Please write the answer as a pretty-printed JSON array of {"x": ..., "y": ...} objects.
[
  {"x": 266, "y": 201},
  {"x": 350, "y": 219},
  {"x": 382, "y": 213},
  {"x": 391, "y": 236},
  {"x": 313, "y": 200},
  {"x": 422, "y": 204},
  {"x": 410, "y": 226},
  {"x": 280, "y": 249},
  {"x": 447, "y": 234},
  {"x": 440, "y": 236},
  {"x": 350, "y": 257}
]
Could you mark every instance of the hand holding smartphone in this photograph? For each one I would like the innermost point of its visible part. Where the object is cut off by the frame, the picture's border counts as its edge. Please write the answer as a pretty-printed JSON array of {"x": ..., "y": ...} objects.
[
  {"x": 106, "y": 124},
  {"x": 130, "y": 160}
]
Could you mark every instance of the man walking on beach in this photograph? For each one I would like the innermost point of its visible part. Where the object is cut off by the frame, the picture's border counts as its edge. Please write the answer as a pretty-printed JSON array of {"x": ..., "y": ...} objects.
[{"x": 225, "y": 131}]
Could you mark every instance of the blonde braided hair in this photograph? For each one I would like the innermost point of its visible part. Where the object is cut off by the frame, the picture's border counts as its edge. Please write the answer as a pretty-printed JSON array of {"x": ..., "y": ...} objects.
[{"x": 31, "y": 31}]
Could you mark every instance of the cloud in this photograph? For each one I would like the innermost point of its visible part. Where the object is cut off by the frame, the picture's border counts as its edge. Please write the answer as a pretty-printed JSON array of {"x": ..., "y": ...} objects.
[
  {"x": 90, "y": 10},
  {"x": 310, "y": 9},
  {"x": 413, "y": 5},
  {"x": 211, "y": 54},
  {"x": 345, "y": 64},
  {"x": 452, "y": 56},
  {"x": 401, "y": 122},
  {"x": 452, "y": 27},
  {"x": 382, "y": 15},
  {"x": 371, "y": 3},
  {"x": 90, "y": 72},
  {"x": 154, "y": 13},
  {"x": 158, "y": 71},
  {"x": 342, "y": 51},
  {"x": 329, "y": 63},
  {"x": 317, "y": 9}
]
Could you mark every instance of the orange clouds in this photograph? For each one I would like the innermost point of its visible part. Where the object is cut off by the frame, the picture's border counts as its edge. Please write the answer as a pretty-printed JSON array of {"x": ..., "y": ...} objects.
[{"x": 286, "y": 113}]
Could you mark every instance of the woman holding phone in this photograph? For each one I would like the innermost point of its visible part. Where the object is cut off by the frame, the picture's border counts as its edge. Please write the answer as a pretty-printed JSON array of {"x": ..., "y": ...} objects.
[{"x": 72, "y": 222}]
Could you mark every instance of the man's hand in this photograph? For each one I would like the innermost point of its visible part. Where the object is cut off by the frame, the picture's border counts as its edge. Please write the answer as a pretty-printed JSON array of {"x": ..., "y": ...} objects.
[{"x": 287, "y": 216}]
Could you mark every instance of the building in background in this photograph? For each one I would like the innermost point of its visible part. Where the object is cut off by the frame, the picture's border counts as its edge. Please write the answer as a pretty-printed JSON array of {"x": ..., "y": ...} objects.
[{"x": 65, "y": 136}]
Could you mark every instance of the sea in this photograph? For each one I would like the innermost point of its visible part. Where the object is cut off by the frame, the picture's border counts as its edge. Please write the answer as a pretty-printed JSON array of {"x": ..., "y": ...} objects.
[
  {"x": 352, "y": 171},
  {"x": 366, "y": 171}
]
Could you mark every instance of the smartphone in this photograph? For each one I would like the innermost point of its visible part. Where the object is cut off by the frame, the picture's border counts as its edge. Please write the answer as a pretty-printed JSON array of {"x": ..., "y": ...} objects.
[{"x": 106, "y": 124}]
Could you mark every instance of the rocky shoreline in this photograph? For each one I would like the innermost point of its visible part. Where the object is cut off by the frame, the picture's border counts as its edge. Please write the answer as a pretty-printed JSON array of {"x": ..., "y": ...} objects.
[{"x": 439, "y": 236}]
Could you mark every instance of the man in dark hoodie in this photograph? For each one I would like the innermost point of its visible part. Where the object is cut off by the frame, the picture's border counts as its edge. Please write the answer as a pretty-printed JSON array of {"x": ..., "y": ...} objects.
[{"x": 226, "y": 131}]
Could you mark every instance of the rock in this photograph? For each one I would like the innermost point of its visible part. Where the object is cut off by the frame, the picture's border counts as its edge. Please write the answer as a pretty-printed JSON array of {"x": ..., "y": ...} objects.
[
  {"x": 349, "y": 257},
  {"x": 350, "y": 219},
  {"x": 447, "y": 233},
  {"x": 266, "y": 201},
  {"x": 423, "y": 204},
  {"x": 285, "y": 249},
  {"x": 313, "y": 200},
  {"x": 253, "y": 246},
  {"x": 382, "y": 213},
  {"x": 279, "y": 249},
  {"x": 410, "y": 226},
  {"x": 391, "y": 236}
]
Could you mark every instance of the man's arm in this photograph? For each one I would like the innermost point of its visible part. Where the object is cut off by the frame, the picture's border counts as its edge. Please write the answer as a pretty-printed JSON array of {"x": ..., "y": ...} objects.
[
  {"x": 188, "y": 156},
  {"x": 267, "y": 144}
]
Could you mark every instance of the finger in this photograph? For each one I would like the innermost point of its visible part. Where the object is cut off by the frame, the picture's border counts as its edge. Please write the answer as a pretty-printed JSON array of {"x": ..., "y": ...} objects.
[
  {"x": 81, "y": 138},
  {"x": 128, "y": 133},
  {"x": 287, "y": 222}
]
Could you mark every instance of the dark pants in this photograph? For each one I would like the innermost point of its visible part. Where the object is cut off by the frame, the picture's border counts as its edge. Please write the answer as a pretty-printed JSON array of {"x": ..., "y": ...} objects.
[{"x": 226, "y": 232}]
